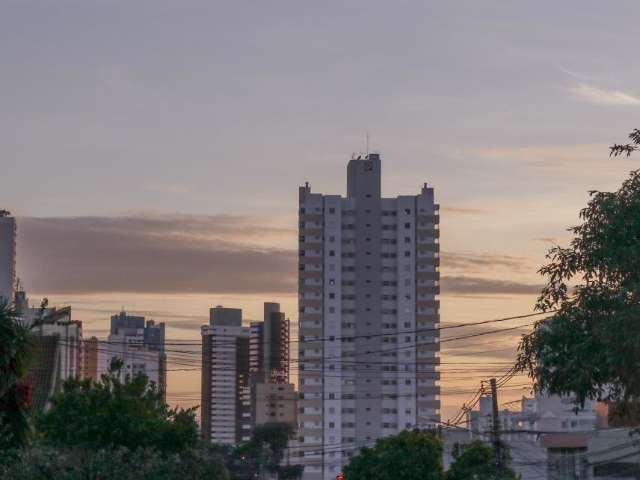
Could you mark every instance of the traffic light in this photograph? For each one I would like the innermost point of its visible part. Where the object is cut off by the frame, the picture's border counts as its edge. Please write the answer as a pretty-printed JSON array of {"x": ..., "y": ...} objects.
[{"x": 340, "y": 476}]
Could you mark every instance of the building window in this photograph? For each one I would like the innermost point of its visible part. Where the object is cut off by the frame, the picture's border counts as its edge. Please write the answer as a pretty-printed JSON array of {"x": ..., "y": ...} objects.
[
  {"x": 332, "y": 253},
  {"x": 332, "y": 210},
  {"x": 407, "y": 225}
]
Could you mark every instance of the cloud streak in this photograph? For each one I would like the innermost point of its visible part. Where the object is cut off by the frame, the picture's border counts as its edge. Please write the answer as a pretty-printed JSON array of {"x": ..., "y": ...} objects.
[
  {"x": 463, "y": 285},
  {"x": 477, "y": 262},
  {"x": 221, "y": 254},
  {"x": 157, "y": 254},
  {"x": 459, "y": 210},
  {"x": 600, "y": 96}
]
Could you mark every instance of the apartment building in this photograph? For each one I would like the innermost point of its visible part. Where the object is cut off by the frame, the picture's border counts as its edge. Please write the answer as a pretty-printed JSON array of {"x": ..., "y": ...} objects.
[
  {"x": 226, "y": 390},
  {"x": 7, "y": 256},
  {"x": 139, "y": 343},
  {"x": 368, "y": 310}
]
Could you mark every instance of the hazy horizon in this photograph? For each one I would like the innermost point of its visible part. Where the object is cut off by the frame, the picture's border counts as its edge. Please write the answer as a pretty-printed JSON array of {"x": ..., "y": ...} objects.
[{"x": 152, "y": 151}]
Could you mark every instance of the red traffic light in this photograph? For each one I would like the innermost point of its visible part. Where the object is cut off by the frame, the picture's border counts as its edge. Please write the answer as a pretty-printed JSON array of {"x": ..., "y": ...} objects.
[{"x": 340, "y": 476}]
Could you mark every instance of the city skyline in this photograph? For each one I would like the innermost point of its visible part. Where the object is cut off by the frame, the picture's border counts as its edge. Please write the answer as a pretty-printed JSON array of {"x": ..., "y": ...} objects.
[{"x": 149, "y": 165}]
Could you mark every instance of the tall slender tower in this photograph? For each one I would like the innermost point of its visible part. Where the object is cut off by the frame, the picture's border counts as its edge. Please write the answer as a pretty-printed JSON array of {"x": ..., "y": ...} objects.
[
  {"x": 7, "y": 256},
  {"x": 368, "y": 313}
]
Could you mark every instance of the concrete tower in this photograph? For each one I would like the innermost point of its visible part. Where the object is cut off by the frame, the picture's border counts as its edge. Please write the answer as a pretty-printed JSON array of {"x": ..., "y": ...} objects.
[
  {"x": 368, "y": 313},
  {"x": 7, "y": 256}
]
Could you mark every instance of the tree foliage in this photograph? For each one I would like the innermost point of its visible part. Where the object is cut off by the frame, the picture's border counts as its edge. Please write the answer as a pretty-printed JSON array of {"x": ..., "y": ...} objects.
[
  {"x": 112, "y": 413},
  {"x": 589, "y": 345},
  {"x": 265, "y": 451},
  {"x": 45, "y": 463},
  {"x": 627, "y": 148},
  {"x": 406, "y": 456},
  {"x": 476, "y": 461},
  {"x": 15, "y": 393}
]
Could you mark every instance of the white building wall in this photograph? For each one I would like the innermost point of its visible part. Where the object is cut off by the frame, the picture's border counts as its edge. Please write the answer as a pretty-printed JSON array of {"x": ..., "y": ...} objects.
[
  {"x": 332, "y": 345},
  {"x": 328, "y": 420},
  {"x": 136, "y": 357},
  {"x": 406, "y": 310}
]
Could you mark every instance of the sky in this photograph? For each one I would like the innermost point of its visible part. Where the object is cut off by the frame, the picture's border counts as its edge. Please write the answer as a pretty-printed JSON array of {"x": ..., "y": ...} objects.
[{"x": 152, "y": 150}]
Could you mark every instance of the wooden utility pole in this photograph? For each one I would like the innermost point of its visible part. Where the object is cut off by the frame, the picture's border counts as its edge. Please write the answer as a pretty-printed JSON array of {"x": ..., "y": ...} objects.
[{"x": 495, "y": 430}]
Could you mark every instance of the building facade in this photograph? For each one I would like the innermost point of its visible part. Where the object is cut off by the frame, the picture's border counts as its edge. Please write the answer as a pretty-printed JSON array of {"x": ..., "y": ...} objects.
[
  {"x": 91, "y": 351},
  {"x": 139, "y": 343},
  {"x": 273, "y": 398},
  {"x": 368, "y": 317},
  {"x": 274, "y": 402},
  {"x": 245, "y": 374},
  {"x": 7, "y": 256},
  {"x": 226, "y": 391},
  {"x": 269, "y": 346}
]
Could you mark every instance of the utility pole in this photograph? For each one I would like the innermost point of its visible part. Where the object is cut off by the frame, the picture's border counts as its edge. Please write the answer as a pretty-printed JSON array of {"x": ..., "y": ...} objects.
[{"x": 495, "y": 431}]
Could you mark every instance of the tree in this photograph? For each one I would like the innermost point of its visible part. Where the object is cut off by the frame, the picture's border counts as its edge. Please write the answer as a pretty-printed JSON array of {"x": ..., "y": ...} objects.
[
  {"x": 406, "y": 456},
  {"x": 113, "y": 413},
  {"x": 15, "y": 393},
  {"x": 112, "y": 464},
  {"x": 476, "y": 461},
  {"x": 265, "y": 451},
  {"x": 588, "y": 346}
]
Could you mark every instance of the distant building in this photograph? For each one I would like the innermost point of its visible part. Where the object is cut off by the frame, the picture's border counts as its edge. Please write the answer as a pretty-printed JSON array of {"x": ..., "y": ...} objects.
[
  {"x": 273, "y": 398},
  {"x": 547, "y": 435},
  {"x": 269, "y": 346},
  {"x": 91, "y": 359},
  {"x": 245, "y": 374},
  {"x": 139, "y": 344},
  {"x": 226, "y": 392},
  {"x": 368, "y": 283},
  {"x": 7, "y": 256},
  {"x": 57, "y": 351},
  {"x": 544, "y": 413}
]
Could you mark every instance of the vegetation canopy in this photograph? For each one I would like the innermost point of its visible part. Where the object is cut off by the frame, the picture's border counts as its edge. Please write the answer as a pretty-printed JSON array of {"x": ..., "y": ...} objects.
[{"x": 588, "y": 346}]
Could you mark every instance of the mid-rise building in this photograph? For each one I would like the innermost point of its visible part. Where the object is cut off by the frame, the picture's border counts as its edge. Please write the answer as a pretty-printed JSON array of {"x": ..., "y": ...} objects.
[
  {"x": 368, "y": 317},
  {"x": 57, "y": 352},
  {"x": 139, "y": 343},
  {"x": 7, "y": 256},
  {"x": 226, "y": 391},
  {"x": 541, "y": 413}
]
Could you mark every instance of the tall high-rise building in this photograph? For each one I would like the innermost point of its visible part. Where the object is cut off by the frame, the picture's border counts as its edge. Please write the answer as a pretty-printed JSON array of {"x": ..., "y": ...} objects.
[
  {"x": 368, "y": 313},
  {"x": 139, "y": 344},
  {"x": 7, "y": 256},
  {"x": 269, "y": 346},
  {"x": 226, "y": 391}
]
